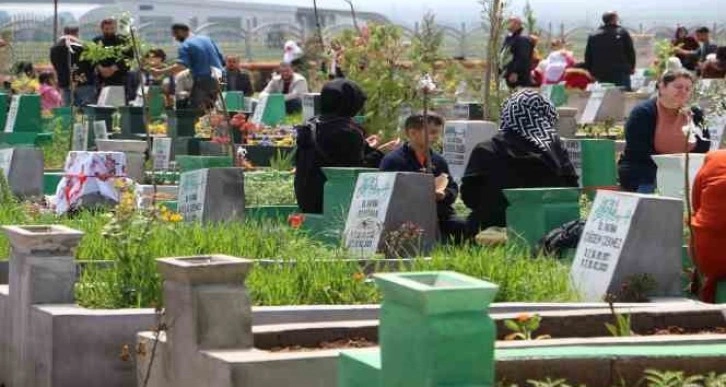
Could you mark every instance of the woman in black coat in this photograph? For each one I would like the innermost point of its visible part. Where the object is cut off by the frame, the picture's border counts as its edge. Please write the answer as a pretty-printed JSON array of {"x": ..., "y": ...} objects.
[
  {"x": 526, "y": 153},
  {"x": 332, "y": 139},
  {"x": 655, "y": 127}
]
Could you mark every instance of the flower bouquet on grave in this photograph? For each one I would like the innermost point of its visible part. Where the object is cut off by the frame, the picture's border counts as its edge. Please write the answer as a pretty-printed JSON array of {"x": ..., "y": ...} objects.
[{"x": 25, "y": 85}]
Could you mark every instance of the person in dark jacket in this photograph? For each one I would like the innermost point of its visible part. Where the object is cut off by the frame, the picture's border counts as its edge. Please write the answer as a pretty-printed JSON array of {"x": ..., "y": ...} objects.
[
  {"x": 526, "y": 153},
  {"x": 332, "y": 139},
  {"x": 610, "y": 55},
  {"x": 84, "y": 75},
  {"x": 706, "y": 48},
  {"x": 687, "y": 48},
  {"x": 236, "y": 79},
  {"x": 655, "y": 127},
  {"x": 413, "y": 157},
  {"x": 113, "y": 72},
  {"x": 517, "y": 71}
]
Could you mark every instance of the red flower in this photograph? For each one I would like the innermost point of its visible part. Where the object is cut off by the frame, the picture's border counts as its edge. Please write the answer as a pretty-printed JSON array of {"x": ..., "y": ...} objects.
[{"x": 295, "y": 220}]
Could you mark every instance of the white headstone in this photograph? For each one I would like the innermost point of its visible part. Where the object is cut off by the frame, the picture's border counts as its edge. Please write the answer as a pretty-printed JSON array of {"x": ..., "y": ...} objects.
[
  {"x": 99, "y": 130},
  {"x": 12, "y": 114},
  {"x": 212, "y": 195},
  {"x": 574, "y": 150},
  {"x": 80, "y": 137},
  {"x": 112, "y": 96},
  {"x": 260, "y": 110},
  {"x": 368, "y": 210},
  {"x": 671, "y": 173},
  {"x": 716, "y": 125},
  {"x": 192, "y": 194},
  {"x": 605, "y": 103},
  {"x": 593, "y": 105},
  {"x": 625, "y": 235},
  {"x": 161, "y": 153},
  {"x": 644, "y": 46},
  {"x": 311, "y": 105},
  {"x": 460, "y": 138}
]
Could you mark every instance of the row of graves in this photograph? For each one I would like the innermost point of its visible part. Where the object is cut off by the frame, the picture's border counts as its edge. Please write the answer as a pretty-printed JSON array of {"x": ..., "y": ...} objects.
[
  {"x": 363, "y": 207},
  {"x": 432, "y": 326}
]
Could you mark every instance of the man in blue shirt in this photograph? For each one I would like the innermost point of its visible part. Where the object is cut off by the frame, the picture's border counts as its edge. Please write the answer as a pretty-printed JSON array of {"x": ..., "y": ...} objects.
[{"x": 203, "y": 58}]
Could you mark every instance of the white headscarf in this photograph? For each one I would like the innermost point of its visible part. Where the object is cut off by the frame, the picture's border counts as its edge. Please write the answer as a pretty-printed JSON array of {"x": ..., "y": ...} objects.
[{"x": 291, "y": 52}]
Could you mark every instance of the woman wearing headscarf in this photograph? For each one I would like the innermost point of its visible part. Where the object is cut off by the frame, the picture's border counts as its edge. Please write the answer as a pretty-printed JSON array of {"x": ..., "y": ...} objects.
[
  {"x": 526, "y": 153},
  {"x": 332, "y": 139}
]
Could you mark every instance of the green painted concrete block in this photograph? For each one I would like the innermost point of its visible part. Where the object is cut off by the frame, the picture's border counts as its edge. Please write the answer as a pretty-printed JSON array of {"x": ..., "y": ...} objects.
[
  {"x": 270, "y": 213},
  {"x": 27, "y": 117},
  {"x": 274, "y": 111},
  {"x": 360, "y": 369},
  {"x": 435, "y": 331},
  {"x": 156, "y": 104},
  {"x": 339, "y": 188},
  {"x": 4, "y": 100},
  {"x": 234, "y": 100},
  {"x": 533, "y": 212},
  {"x": 599, "y": 167},
  {"x": 192, "y": 163},
  {"x": 181, "y": 122},
  {"x": 132, "y": 122},
  {"x": 50, "y": 182},
  {"x": 98, "y": 113},
  {"x": 26, "y": 138}
]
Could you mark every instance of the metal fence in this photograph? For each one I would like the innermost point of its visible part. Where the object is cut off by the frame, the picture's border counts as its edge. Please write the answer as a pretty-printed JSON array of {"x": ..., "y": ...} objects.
[{"x": 32, "y": 36}]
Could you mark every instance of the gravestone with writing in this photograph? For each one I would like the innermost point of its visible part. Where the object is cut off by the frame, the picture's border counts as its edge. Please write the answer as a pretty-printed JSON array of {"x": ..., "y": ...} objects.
[
  {"x": 161, "y": 153},
  {"x": 628, "y": 235},
  {"x": 270, "y": 110},
  {"x": 113, "y": 96},
  {"x": 311, "y": 105},
  {"x": 567, "y": 122},
  {"x": 605, "y": 103},
  {"x": 100, "y": 132},
  {"x": 23, "y": 170},
  {"x": 24, "y": 114},
  {"x": 385, "y": 204},
  {"x": 460, "y": 138},
  {"x": 212, "y": 195},
  {"x": 468, "y": 111},
  {"x": 716, "y": 125},
  {"x": 671, "y": 172}
]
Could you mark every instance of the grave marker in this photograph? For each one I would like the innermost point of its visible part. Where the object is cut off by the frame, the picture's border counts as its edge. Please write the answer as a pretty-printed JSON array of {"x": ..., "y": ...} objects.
[
  {"x": 671, "y": 169},
  {"x": 574, "y": 151},
  {"x": 99, "y": 130},
  {"x": 383, "y": 202},
  {"x": 161, "y": 152},
  {"x": 212, "y": 195},
  {"x": 80, "y": 137},
  {"x": 114, "y": 96},
  {"x": 605, "y": 103},
  {"x": 89, "y": 180},
  {"x": 555, "y": 94},
  {"x": 311, "y": 105},
  {"x": 270, "y": 110},
  {"x": 716, "y": 125},
  {"x": 626, "y": 235},
  {"x": 468, "y": 111},
  {"x": 460, "y": 138},
  {"x": 12, "y": 114}
]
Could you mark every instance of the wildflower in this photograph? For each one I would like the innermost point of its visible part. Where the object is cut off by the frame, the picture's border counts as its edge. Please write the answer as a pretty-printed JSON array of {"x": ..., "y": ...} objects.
[
  {"x": 359, "y": 277},
  {"x": 523, "y": 318},
  {"x": 295, "y": 220}
]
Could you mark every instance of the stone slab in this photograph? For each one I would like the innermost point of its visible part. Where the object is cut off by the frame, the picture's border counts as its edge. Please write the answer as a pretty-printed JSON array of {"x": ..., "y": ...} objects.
[
  {"x": 671, "y": 173},
  {"x": 23, "y": 169},
  {"x": 212, "y": 195},
  {"x": 460, "y": 138}
]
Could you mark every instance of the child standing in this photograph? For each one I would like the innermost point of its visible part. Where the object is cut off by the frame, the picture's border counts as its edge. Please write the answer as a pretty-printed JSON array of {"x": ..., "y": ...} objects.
[
  {"x": 413, "y": 157},
  {"x": 50, "y": 97}
]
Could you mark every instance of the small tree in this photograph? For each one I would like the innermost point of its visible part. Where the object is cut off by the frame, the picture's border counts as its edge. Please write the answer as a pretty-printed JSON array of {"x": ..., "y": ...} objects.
[
  {"x": 493, "y": 20},
  {"x": 530, "y": 19}
]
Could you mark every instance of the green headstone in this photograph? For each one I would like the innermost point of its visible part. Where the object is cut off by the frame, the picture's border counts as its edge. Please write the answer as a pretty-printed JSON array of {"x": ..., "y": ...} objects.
[
  {"x": 3, "y": 109},
  {"x": 234, "y": 100},
  {"x": 132, "y": 122},
  {"x": 26, "y": 138},
  {"x": 338, "y": 190},
  {"x": 50, "y": 182},
  {"x": 594, "y": 161},
  {"x": 192, "y": 163},
  {"x": 434, "y": 331},
  {"x": 270, "y": 110},
  {"x": 24, "y": 114},
  {"x": 533, "y": 212},
  {"x": 98, "y": 113},
  {"x": 157, "y": 104},
  {"x": 557, "y": 94},
  {"x": 181, "y": 122},
  {"x": 65, "y": 114}
]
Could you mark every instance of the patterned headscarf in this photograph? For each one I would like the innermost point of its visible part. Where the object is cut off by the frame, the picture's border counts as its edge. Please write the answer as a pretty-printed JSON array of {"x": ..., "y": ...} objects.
[{"x": 531, "y": 116}]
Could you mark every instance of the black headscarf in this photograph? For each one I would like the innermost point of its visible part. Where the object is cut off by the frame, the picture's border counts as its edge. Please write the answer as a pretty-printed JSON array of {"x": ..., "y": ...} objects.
[{"x": 341, "y": 98}]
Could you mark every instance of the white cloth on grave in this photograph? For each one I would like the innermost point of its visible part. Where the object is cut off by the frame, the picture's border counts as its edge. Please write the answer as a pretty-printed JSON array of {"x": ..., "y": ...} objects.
[{"x": 87, "y": 173}]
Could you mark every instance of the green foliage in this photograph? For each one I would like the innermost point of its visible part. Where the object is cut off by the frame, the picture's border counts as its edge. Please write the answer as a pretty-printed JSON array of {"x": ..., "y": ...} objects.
[
  {"x": 269, "y": 188},
  {"x": 54, "y": 152},
  {"x": 375, "y": 66},
  {"x": 623, "y": 323},
  {"x": 656, "y": 378},
  {"x": 530, "y": 19},
  {"x": 493, "y": 20},
  {"x": 663, "y": 51},
  {"x": 523, "y": 327},
  {"x": 549, "y": 383},
  {"x": 426, "y": 45},
  {"x": 282, "y": 163}
]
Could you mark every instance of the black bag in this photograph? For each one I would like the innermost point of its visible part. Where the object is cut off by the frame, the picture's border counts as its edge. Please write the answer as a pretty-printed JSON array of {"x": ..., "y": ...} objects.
[{"x": 564, "y": 237}]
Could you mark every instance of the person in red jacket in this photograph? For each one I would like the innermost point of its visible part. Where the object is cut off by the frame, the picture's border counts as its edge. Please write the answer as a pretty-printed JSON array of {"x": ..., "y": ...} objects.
[{"x": 709, "y": 222}]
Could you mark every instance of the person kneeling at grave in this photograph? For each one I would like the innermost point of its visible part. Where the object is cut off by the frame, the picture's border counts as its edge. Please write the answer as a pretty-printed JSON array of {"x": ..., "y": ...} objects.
[
  {"x": 526, "y": 153},
  {"x": 656, "y": 127},
  {"x": 291, "y": 84},
  {"x": 332, "y": 139},
  {"x": 709, "y": 222},
  {"x": 415, "y": 156}
]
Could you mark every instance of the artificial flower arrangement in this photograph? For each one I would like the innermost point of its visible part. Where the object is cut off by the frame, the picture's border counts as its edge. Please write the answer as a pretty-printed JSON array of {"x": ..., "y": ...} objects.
[
  {"x": 213, "y": 126},
  {"x": 25, "y": 85}
]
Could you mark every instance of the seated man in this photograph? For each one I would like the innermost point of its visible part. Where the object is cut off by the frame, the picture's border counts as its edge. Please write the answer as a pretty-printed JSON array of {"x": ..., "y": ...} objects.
[
  {"x": 291, "y": 84},
  {"x": 413, "y": 156}
]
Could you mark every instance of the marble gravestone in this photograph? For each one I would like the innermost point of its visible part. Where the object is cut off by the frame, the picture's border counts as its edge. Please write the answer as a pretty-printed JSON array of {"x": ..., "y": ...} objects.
[
  {"x": 626, "y": 235},
  {"x": 605, "y": 103},
  {"x": 23, "y": 170},
  {"x": 212, "y": 195},
  {"x": 388, "y": 202},
  {"x": 311, "y": 105},
  {"x": 80, "y": 138},
  {"x": 100, "y": 132},
  {"x": 161, "y": 153},
  {"x": 671, "y": 173},
  {"x": 716, "y": 125},
  {"x": 114, "y": 96},
  {"x": 468, "y": 111},
  {"x": 460, "y": 138}
]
